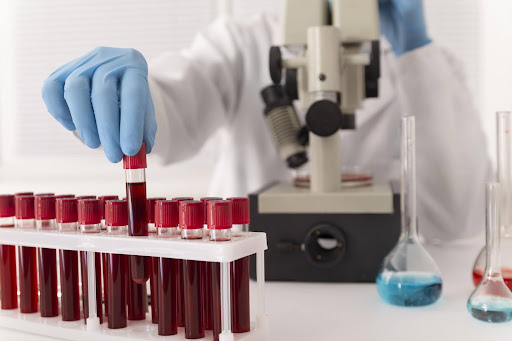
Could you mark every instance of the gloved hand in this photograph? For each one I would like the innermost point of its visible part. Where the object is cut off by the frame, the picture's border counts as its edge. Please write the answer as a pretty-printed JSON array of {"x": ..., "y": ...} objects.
[
  {"x": 403, "y": 24},
  {"x": 105, "y": 96}
]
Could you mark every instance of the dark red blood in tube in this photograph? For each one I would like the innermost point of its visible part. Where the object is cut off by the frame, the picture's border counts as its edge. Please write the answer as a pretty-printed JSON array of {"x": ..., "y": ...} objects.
[
  {"x": 104, "y": 267},
  {"x": 181, "y": 294},
  {"x": 194, "y": 323},
  {"x": 8, "y": 286},
  {"x": 85, "y": 289},
  {"x": 240, "y": 310},
  {"x": 137, "y": 299},
  {"x": 116, "y": 279},
  {"x": 216, "y": 300},
  {"x": 28, "y": 279},
  {"x": 154, "y": 290},
  {"x": 167, "y": 296},
  {"x": 137, "y": 221},
  {"x": 70, "y": 294},
  {"x": 208, "y": 297},
  {"x": 49, "y": 304}
]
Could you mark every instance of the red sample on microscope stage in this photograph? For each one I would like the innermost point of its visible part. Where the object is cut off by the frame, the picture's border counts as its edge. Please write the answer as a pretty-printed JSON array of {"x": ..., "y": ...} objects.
[{"x": 47, "y": 258}]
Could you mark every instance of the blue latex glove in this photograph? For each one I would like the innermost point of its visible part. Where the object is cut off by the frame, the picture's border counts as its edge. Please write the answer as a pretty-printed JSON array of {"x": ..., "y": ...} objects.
[
  {"x": 403, "y": 24},
  {"x": 105, "y": 96}
]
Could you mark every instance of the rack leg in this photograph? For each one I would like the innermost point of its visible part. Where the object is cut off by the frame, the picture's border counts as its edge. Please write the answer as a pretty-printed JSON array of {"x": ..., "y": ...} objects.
[
  {"x": 225, "y": 295},
  {"x": 261, "y": 318},
  {"x": 93, "y": 321}
]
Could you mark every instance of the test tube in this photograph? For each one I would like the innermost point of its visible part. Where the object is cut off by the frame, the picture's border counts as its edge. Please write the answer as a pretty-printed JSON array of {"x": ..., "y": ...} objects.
[
  {"x": 208, "y": 293},
  {"x": 150, "y": 210},
  {"x": 8, "y": 285},
  {"x": 67, "y": 222},
  {"x": 135, "y": 171},
  {"x": 181, "y": 300},
  {"x": 219, "y": 223},
  {"x": 27, "y": 270},
  {"x": 191, "y": 223},
  {"x": 89, "y": 222},
  {"x": 240, "y": 306},
  {"x": 166, "y": 222},
  {"x": 104, "y": 257},
  {"x": 45, "y": 220},
  {"x": 116, "y": 220}
]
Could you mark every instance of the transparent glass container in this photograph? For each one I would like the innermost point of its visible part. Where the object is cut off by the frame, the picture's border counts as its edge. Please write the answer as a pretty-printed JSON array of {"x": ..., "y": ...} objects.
[
  {"x": 409, "y": 276},
  {"x": 504, "y": 166},
  {"x": 491, "y": 301}
]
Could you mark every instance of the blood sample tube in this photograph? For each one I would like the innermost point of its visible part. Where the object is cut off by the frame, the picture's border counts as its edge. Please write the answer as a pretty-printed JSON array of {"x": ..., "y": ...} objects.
[
  {"x": 219, "y": 218},
  {"x": 44, "y": 195},
  {"x": 116, "y": 220},
  {"x": 19, "y": 194},
  {"x": 154, "y": 261},
  {"x": 191, "y": 223},
  {"x": 62, "y": 196},
  {"x": 181, "y": 301},
  {"x": 27, "y": 270},
  {"x": 47, "y": 258},
  {"x": 8, "y": 286},
  {"x": 67, "y": 222},
  {"x": 89, "y": 222},
  {"x": 104, "y": 257},
  {"x": 208, "y": 312},
  {"x": 240, "y": 306},
  {"x": 135, "y": 171},
  {"x": 166, "y": 222}
]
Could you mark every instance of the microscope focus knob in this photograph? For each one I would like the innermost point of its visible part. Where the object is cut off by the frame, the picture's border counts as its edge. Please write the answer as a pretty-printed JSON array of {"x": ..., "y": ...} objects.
[
  {"x": 324, "y": 118},
  {"x": 275, "y": 64}
]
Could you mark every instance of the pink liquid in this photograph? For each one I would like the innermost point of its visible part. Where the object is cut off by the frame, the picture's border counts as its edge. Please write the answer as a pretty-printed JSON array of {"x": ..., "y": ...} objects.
[
  {"x": 8, "y": 286},
  {"x": 506, "y": 273},
  {"x": 70, "y": 295},
  {"x": 137, "y": 298},
  {"x": 194, "y": 322},
  {"x": 167, "y": 296},
  {"x": 116, "y": 287},
  {"x": 138, "y": 226},
  {"x": 28, "y": 279},
  {"x": 49, "y": 304},
  {"x": 240, "y": 312},
  {"x": 85, "y": 285},
  {"x": 154, "y": 290}
]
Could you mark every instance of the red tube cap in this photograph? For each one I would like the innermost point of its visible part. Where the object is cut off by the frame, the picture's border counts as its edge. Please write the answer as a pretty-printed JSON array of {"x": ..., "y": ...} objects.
[
  {"x": 191, "y": 214},
  {"x": 116, "y": 213},
  {"x": 88, "y": 211},
  {"x": 67, "y": 211},
  {"x": 241, "y": 210},
  {"x": 220, "y": 215},
  {"x": 103, "y": 199},
  {"x": 44, "y": 194},
  {"x": 82, "y": 197},
  {"x": 205, "y": 206},
  {"x": 64, "y": 196},
  {"x": 150, "y": 208},
  {"x": 179, "y": 199},
  {"x": 23, "y": 193},
  {"x": 24, "y": 206},
  {"x": 7, "y": 205},
  {"x": 137, "y": 161},
  {"x": 166, "y": 213},
  {"x": 44, "y": 206}
]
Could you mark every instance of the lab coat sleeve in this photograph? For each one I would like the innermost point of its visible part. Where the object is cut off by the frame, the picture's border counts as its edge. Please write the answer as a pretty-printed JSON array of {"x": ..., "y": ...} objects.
[
  {"x": 196, "y": 91},
  {"x": 451, "y": 154}
]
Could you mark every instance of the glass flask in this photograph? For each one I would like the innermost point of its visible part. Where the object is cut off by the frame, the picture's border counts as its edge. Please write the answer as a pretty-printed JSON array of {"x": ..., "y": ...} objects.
[
  {"x": 504, "y": 166},
  {"x": 409, "y": 276},
  {"x": 491, "y": 301}
]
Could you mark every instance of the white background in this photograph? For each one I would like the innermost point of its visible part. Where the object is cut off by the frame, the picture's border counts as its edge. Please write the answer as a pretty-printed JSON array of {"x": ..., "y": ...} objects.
[{"x": 38, "y": 36}]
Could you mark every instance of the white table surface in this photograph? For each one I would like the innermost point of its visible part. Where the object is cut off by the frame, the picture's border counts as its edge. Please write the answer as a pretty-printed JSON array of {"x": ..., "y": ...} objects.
[{"x": 323, "y": 312}]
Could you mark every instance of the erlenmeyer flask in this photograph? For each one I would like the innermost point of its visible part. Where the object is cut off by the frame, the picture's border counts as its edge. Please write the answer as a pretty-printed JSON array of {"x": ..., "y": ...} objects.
[
  {"x": 504, "y": 160},
  {"x": 492, "y": 300},
  {"x": 409, "y": 276}
]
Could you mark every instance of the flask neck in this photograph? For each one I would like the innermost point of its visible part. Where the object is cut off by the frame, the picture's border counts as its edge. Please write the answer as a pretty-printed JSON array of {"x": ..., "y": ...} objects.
[
  {"x": 492, "y": 265},
  {"x": 408, "y": 179}
]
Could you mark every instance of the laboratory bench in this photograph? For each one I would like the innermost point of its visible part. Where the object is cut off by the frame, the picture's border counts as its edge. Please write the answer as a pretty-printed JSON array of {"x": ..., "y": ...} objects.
[{"x": 334, "y": 311}]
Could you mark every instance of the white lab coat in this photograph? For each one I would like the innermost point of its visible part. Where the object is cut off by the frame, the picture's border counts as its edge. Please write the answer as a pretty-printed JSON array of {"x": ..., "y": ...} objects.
[{"x": 216, "y": 84}]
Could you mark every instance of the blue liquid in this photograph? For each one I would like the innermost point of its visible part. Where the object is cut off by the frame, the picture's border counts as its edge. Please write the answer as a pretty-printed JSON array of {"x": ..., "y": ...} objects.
[
  {"x": 491, "y": 309},
  {"x": 409, "y": 289}
]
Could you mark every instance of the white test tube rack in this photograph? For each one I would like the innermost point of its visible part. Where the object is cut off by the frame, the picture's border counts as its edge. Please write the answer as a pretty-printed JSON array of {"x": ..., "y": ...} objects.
[{"x": 241, "y": 245}]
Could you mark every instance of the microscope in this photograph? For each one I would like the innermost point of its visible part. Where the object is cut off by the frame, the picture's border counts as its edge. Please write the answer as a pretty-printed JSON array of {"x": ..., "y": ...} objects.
[{"x": 327, "y": 65}]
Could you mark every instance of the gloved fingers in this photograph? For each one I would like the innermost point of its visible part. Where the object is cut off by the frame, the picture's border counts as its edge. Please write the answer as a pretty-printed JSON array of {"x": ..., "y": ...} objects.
[
  {"x": 150, "y": 126},
  {"x": 105, "y": 102},
  {"x": 133, "y": 92},
  {"x": 53, "y": 97},
  {"x": 77, "y": 93}
]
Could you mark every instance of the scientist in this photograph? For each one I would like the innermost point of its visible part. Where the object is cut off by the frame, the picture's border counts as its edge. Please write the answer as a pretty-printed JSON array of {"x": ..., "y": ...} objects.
[{"x": 111, "y": 100}]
